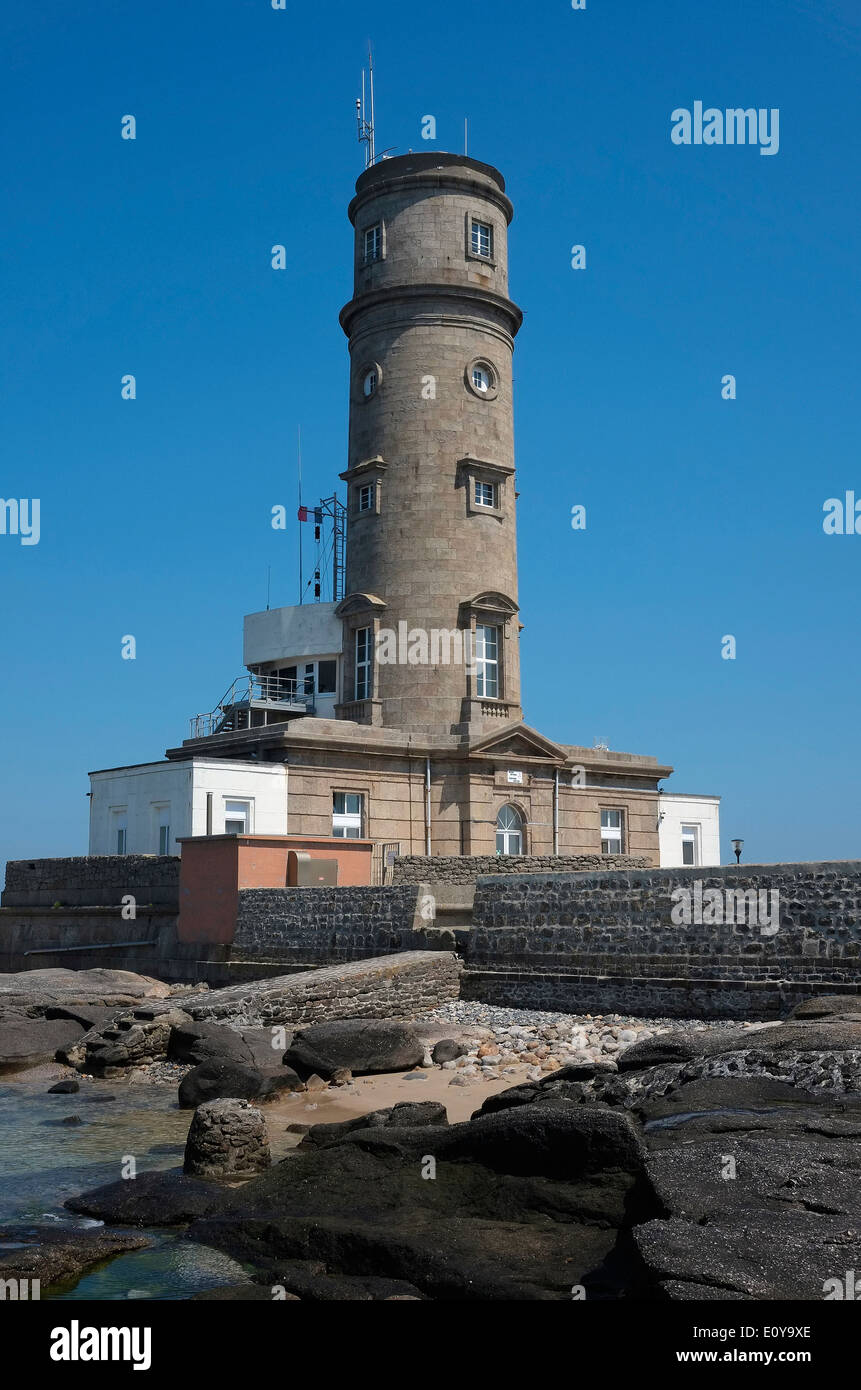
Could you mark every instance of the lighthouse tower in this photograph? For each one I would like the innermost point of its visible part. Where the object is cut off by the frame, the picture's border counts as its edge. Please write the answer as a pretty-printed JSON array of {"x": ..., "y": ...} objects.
[{"x": 430, "y": 615}]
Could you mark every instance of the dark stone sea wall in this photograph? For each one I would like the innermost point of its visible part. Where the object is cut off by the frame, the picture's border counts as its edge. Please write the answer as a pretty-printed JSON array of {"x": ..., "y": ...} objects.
[
  {"x": 607, "y": 941},
  {"x": 464, "y": 869}
]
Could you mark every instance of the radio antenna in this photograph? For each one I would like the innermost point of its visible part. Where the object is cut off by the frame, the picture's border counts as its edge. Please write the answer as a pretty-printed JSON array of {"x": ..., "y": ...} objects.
[{"x": 365, "y": 116}]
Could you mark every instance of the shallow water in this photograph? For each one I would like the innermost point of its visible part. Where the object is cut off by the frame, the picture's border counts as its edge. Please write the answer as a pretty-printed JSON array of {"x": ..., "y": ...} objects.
[{"x": 43, "y": 1161}]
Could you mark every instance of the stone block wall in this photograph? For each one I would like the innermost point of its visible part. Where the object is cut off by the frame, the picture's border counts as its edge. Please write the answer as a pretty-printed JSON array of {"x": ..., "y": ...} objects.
[
  {"x": 606, "y": 941},
  {"x": 466, "y": 869},
  {"x": 319, "y": 925},
  {"x": 393, "y": 987},
  {"x": 92, "y": 880}
]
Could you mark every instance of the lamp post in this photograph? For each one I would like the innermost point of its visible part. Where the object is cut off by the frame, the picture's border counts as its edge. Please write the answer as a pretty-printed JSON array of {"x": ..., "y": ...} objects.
[{"x": 737, "y": 846}]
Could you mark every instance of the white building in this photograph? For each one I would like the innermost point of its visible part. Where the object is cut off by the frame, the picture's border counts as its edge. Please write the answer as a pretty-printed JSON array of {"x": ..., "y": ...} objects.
[
  {"x": 688, "y": 830},
  {"x": 147, "y": 808}
]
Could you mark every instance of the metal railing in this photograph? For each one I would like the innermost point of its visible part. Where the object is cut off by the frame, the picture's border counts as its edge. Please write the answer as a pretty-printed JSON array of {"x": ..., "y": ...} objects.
[{"x": 244, "y": 693}]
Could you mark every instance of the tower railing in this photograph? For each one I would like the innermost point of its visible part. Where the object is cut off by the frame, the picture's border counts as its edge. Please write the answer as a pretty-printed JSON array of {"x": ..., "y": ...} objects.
[{"x": 251, "y": 691}]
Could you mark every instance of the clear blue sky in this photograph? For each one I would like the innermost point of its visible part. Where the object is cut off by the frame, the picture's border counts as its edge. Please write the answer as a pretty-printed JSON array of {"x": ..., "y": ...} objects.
[{"x": 704, "y": 515}]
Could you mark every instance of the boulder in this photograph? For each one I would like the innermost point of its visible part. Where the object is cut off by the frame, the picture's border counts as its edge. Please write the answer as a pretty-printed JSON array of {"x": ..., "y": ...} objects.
[
  {"x": 217, "y": 1080},
  {"x": 524, "y": 1205},
  {"x": 64, "y": 1088},
  {"x": 361, "y": 1044},
  {"x": 206, "y": 1042},
  {"x": 447, "y": 1050},
  {"x": 151, "y": 1199},
  {"x": 32, "y": 1040},
  {"x": 227, "y": 1139}
]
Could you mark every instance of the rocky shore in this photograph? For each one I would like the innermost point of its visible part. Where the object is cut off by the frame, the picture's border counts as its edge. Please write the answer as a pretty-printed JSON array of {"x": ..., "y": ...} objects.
[{"x": 471, "y": 1152}]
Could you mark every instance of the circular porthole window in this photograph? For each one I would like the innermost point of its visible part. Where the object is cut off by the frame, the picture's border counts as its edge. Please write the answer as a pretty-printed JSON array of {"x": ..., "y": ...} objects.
[
  {"x": 482, "y": 379},
  {"x": 370, "y": 380}
]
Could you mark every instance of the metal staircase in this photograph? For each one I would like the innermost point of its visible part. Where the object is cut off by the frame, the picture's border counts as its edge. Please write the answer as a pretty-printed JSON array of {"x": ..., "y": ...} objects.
[{"x": 250, "y": 701}]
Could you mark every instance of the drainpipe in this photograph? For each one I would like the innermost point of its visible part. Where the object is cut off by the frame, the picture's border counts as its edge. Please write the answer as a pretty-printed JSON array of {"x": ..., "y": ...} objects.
[
  {"x": 427, "y": 808},
  {"x": 556, "y": 811}
]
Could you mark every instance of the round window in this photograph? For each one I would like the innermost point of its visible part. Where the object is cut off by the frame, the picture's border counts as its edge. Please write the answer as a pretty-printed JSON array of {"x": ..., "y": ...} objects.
[
  {"x": 369, "y": 385},
  {"x": 482, "y": 379}
]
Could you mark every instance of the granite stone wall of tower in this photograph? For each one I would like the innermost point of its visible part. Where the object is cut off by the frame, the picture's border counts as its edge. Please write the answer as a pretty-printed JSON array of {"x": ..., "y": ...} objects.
[{"x": 423, "y": 316}]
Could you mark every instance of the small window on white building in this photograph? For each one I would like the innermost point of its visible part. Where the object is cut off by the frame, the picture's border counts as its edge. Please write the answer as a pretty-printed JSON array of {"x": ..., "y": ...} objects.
[
  {"x": 237, "y": 817},
  {"x": 347, "y": 811},
  {"x": 366, "y": 497},
  {"x": 120, "y": 831},
  {"x": 374, "y": 243},
  {"x": 612, "y": 832},
  {"x": 487, "y": 662},
  {"x": 161, "y": 816},
  {"x": 485, "y": 494},
  {"x": 690, "y": 844},
  {"x": 363, "y": 663},
  {"x": 481, "y": 239}
]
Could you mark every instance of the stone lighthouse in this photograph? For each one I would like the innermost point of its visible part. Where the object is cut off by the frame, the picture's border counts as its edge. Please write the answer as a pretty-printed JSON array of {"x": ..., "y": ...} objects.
[
  {"x": 393, "y": 713},
  {"x": 430, "y": 614}
]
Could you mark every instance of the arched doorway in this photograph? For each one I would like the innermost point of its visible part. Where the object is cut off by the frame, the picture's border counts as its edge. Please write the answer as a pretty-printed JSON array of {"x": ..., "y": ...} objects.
[{"x": 509, "y": 831}]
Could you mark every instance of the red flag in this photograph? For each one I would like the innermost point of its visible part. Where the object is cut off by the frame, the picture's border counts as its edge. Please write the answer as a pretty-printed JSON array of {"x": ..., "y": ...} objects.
[{"x": 303, "y": 513}]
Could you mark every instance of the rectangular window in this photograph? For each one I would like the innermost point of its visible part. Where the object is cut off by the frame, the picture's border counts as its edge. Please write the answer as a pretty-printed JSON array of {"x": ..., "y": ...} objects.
[
  {"x": 363, "y": 663},
  {"x": 374, "y": 243},
  {"x": 119, "y": 831},
  {"x": 327, "y": 674},
  {"x": 308, "y": 682},
  {"x": 164, "y": 839},
  {"x": 286, "y": 687},
  {"x": 487, "y": 662},
  {"x": 237, "y": 817},
  {"x": 366, "y": 497},
  {"x": 485, "y": 494},
  {"x": 612, "y": 832},
  {"x": 481, "y": 240},
  {"x": 347, "y": 812},
  {"x": 690, "y": 844}
]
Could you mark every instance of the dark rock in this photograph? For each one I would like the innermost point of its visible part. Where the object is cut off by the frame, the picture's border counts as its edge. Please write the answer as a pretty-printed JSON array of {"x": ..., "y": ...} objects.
[
  {"x": 684, "y": 1045},
  {"x": 51, "y": 1255},
  {"x": 151, "y": 1199},
  {"x": 87, "y": 1015},
  {"x": 72, "y": 1120},
  {"x": 342, "y": 1077},
  {"x": 762, "y": 1255},
  {"x": 447, "y": 1050},
  {"x": 64, "y": 1088},
  {"x": 363, "y": 1045},
  {"x": 406, "y": 1114},
  {"x": 297, "y": 1128},
  {"x": 217, "y": 1080},
  {"x": 206, "y": 1042},
  {"x": 34, "y": 1040},
  {"x": 843, "y": 1006},
  {"x": 499, "y": 1228}
]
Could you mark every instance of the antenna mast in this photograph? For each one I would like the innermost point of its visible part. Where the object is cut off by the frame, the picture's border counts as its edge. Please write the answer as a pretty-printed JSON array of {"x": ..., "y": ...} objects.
[{"x": 365, "y": 122}]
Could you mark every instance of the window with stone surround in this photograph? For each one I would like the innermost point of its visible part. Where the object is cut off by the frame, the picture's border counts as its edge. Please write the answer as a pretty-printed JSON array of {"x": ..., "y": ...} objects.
[
  {"x": 481, "y": 239},
  {"x": 373, "y": 243},
  {"x": 487, "y": 661},
  {"x": 612, "y": 831},
  {"x": 347, "y": 815},
  {"x": 363, "y": 662}
]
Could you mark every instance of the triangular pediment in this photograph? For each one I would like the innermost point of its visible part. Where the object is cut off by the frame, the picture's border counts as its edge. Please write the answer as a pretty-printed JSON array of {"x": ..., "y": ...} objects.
[{"x": 517, "y": 742}]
